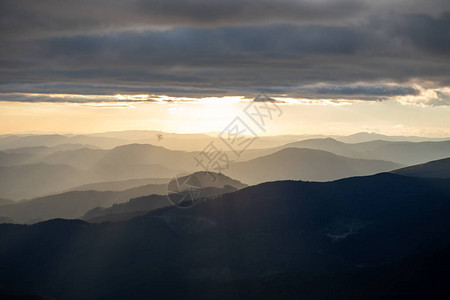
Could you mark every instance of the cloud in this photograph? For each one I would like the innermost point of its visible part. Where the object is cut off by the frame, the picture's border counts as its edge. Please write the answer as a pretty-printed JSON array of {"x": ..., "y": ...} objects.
[
  {"x": 237, "y": 58},
  {"x": 442, "y": 98},
  {"x": 427, "y": 97},
  {"x": 307, "y": 94},
  {"x": 102, "y": 89},
  {"x": 263, "y": 97},
  {"x": 102, "y": 100},
  {"x": 375, "y": 90},
  {"x": 306, "y": 49},
  {"x": 108, "y": 101},
  {"x": 47, "y": 18}
]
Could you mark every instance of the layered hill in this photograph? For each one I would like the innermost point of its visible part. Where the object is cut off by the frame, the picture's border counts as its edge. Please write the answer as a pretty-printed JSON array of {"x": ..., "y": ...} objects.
[
  {"x": 401, "y": 152},
  {"x": 121, "y": 185},
  {"x": 317, "y": 229},
  {"x": 211, "y": 185},
  {"x": 407, "y": 153},
  {"x": 65, "y": 170},
  {"x": 305, "y": 164},
  {"x": 143, "y": 205},
  {"x": 433, "y": 169},
  {"x": 75, "y": 204}
]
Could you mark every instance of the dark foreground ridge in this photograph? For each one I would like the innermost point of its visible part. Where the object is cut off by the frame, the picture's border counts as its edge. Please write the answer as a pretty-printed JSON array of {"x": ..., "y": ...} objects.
[
  {"x": 292, "y": 239},
  {"x": 433, "y": 169}
]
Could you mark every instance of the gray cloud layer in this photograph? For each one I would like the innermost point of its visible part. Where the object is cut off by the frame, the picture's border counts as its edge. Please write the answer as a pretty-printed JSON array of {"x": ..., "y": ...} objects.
[
  {"x": 52, "y": 17},
  {"x": 224, "y": 47}
]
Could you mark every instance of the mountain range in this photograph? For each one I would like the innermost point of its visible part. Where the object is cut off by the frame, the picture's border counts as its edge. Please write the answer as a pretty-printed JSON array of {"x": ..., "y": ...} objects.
[
  {"x": 64, "y": 170},
  {"x": 75, "y": 204},
  {"x": 121, "y": 185},
  {"x": 405, "y": 153},
  {"x": 34, "y": 180},
  {"x": 311, "y": 228},
  {"x": 305, "y": 164},
  {"x": 187, "y": 142},
  {"x": 433, "y": 169},
  {"x": 41, "y": 166}
]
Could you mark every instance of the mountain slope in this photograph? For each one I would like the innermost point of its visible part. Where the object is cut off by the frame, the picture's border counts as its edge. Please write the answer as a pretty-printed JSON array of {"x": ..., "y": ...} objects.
[
  {"x": 313, "y": 228},
  {"x": 48, "y": 150},
  {"x": 75, "y": 204},
  {"x": 115, "y": 186},
  {"x": 143, "y": 205},
  {"x": 127, "y": 155},
  {"x": 11, "y": 159},
  {"x": 26, "y": 181},
  {"x": 210, "y": 187},
  {"x": 407, "y": 153},
  {"x": 5, "y": 201},
  {"x": 190, "y": 142},
  {"x": 433, "y": 169},
  {"x": 63, "y": 170},
  {"x": 6, "y": 294},
  {"x": 50, "y": 140},
  {"x": 149, "y": 154},
  {"x": 36, "y": 180},
  {"x": 362, "y": 137},
  {"x": 32, "y": 155},
  {"x": 304, "y": 164},
  {"x": 421, "y": 276}
]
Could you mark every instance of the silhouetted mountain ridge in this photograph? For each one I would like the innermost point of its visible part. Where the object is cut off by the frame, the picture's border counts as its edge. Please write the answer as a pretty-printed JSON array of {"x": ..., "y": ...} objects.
[
  {"x": 407, "y": 153},
  {"x": 119, "y": 185},
  {"x": 143, "y": 205},
  {"x": 75, "y": 204},
  {"x": 271, "y": 228},
  {"x": 421, "y": 276},
  {"x": 433, "y": 169},
  {"x": 304, "y": 164}
]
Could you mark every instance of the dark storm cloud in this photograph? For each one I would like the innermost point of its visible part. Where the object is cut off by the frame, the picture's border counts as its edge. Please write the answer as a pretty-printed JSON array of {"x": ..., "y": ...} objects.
[
  {"x": 29, "y": 18},
  {"x": 375, "y": 90},
  {"x": 97, "y": 89},
  {"x": 85, "y": 93},
  {"x": 186, "y": 46},
  {"x": 25, "y": 18},
  {"x": 237, "y": 47},
  {"x": 41, "y": 98}
]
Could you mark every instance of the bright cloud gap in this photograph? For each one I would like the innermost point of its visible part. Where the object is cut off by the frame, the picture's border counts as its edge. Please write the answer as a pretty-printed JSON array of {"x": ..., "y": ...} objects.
[{"x": 423, "y": 97}]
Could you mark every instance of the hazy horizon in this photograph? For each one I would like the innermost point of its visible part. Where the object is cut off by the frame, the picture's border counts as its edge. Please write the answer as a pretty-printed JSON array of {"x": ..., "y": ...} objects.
[
  {"x": 388, "y": 118},
  {"x": 215, "y": 133}
]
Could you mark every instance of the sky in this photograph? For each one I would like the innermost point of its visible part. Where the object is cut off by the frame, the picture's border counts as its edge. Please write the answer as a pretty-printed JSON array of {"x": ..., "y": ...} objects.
[{"x": 334, "y": 67}]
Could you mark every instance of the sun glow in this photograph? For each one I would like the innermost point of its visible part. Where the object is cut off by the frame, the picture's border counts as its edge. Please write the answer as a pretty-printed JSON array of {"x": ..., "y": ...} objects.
[{"x": 25, "y": 112}]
